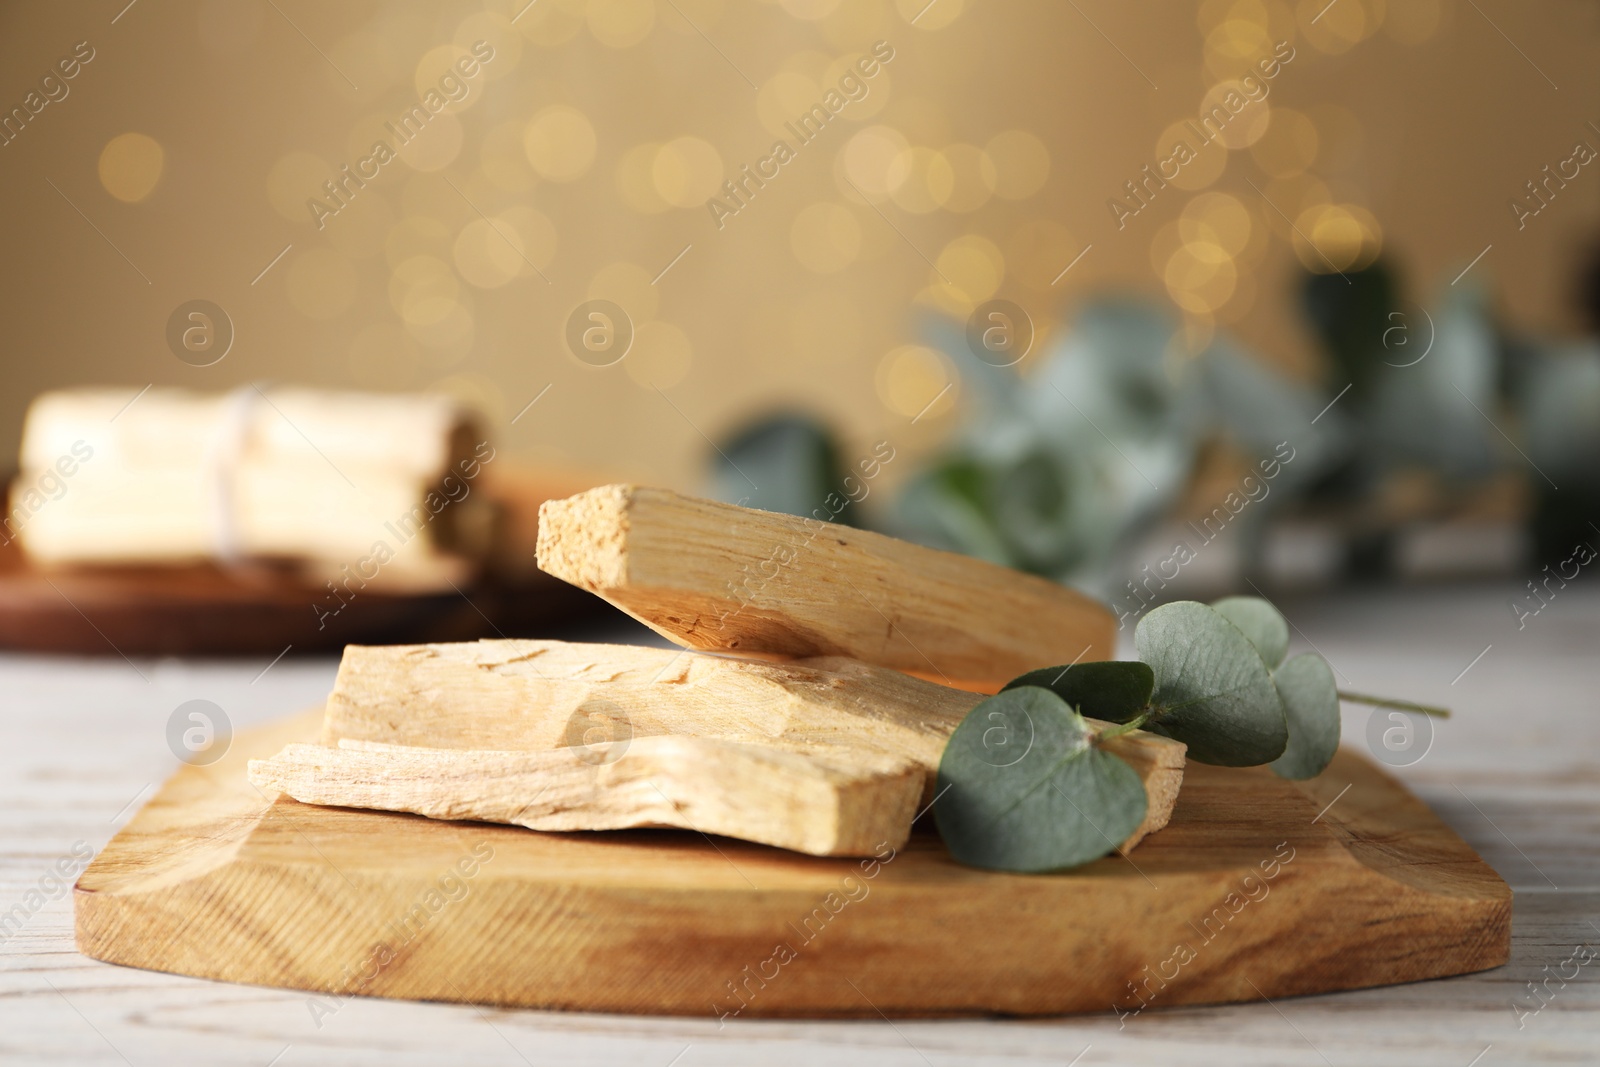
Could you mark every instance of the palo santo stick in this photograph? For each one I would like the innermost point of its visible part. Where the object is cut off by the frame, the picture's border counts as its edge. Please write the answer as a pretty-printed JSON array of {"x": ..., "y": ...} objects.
[
  {"x": 534, "y": 696},
  {"x": 849, "y": 804},
  {"x": 184, "y": 477},
  {"x": 717, "y": 577}
]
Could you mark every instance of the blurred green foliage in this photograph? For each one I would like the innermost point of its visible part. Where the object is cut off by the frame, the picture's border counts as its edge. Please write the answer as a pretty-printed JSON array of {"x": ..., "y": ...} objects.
[
  {"x": 1059, "y": 471},
  {"x": 1061, "y": 465}
]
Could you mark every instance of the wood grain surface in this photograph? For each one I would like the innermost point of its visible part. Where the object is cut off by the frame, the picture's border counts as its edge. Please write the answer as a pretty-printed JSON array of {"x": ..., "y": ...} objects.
[
  {"x": 717, "y": 577},
  {"x": 537, "y": 696},
  {"x": 217, "y": 879},
  {"x": 846, "y": 802}
]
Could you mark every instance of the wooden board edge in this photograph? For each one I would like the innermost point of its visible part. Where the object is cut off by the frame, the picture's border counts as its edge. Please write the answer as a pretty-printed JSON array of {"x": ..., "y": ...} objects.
[{"x": 168, "y": 906}]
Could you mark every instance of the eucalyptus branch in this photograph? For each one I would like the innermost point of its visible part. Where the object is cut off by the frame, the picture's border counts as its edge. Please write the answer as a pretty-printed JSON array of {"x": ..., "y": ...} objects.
[
  {"x": 1390, "y": 702},
  {"x": 1216, "y": 677},
  {"x": 1125, "y": 728}
]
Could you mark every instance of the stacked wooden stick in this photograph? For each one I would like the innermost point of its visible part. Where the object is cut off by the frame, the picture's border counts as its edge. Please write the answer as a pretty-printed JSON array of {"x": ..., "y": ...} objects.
[
  {"x": 800, "y": 710},
  {"x": 173, "y": 478}
]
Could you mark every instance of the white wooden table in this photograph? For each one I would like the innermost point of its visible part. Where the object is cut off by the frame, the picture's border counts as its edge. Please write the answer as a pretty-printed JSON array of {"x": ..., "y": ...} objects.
[{"x": 1516, "y": 772}]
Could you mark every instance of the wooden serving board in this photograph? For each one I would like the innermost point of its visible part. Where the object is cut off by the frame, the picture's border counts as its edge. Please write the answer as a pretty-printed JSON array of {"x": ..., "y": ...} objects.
[{"x": 1248, "y": 893}]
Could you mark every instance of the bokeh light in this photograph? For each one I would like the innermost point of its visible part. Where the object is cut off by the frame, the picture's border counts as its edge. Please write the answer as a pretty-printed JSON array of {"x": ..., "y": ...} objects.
[
  {"x": 1335, "y": 29},
  {"x": 686, "y": 171},
  {"x": 974, "y": 267},
  {"x": 1234, "y": 114},
  {"x": 560, "y": 143},
  {"x": 782, "y": 98},
  {"x": 423, "y": 289},
  {"x": 1336, "y": 237},
  {"x": 915, "y": 380},
  {"x": 489, "y": 253},
  {"x": 437, "y": 146},
  {"x": 871, "y": 162},
  {"x": 972, "y": 178},
  {"x": 1184, "y": 153},
  {"x": 439, "y": 62},
  {"x": 503, "y": 160},
  {"x": 636, "y": 182},
  {"x": 919, "y": 179},
  {"x": 1218, "y": 219},
  {"x": 131, "y": 165},
  {"x": 1200, "y": 276},
  {"x": 621, "y": 23},
  {"x": 661, "y": 355},
  {"x": 552, "y": 23},
  {"x": 497, "y": 31}
]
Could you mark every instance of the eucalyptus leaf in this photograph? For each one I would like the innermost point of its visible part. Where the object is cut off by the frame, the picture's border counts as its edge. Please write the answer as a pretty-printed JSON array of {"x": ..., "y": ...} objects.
[
  {"x": 1213, "y": 690},
  {"x": 1262, "y": 623},
  {"x": 1430, "y": 412},
  {"x": 1311, "y": 702},
  {"x": 1111, "y": 690},
  {"x": 1560, "y": 417},
  {"x": 1022, "y": 787},
  {"x": 946, "y": 507},
  {"x": 788, "y": 463},
  {"x": 1259, "y": 406},
  {"x": 1350, "y": 310}
]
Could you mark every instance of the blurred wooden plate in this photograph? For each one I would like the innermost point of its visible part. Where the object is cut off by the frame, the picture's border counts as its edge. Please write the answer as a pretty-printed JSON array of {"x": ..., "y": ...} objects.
[{"x": 211, "y": 610}]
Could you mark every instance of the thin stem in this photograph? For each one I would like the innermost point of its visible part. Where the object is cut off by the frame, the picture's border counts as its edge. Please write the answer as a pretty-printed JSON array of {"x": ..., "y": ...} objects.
[
  {"x": 1125, "y": 728},
  {"x": 1390, "y": 702}
]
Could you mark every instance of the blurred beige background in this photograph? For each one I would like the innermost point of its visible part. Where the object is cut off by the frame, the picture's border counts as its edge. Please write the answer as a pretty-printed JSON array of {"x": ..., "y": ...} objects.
[{"x": 979, "y": 163}]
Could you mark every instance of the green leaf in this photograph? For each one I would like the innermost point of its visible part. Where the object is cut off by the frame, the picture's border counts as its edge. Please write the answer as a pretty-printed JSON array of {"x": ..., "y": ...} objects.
[
  {"x": 1112, "y": 690},
  {"x": 1213, "y": 690},
  {"x": 1311, "y": 701},
  {"x": 1022, "y": 787},
  {"x": 788, "y": 463},
  {"x": 1262, "y": 623},
  {"x": 946, "y": 507}
]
